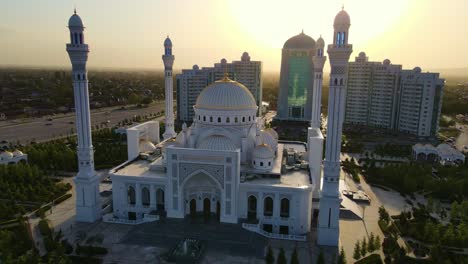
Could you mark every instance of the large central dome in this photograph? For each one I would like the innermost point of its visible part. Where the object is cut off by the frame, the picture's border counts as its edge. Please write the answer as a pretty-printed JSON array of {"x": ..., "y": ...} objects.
[
  {"x": 226, "y": 94},
  {"x": 301, "y": 41}
]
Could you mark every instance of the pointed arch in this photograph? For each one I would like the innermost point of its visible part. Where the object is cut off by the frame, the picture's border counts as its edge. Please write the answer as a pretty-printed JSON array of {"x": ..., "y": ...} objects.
[{"x": 131, "y": 195}]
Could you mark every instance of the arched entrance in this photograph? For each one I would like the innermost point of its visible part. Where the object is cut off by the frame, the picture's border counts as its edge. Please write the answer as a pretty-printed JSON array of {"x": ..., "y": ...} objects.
[
  {"x": 193, "y": 208},
  {"x": 252, "y": 208},
  {"x": 206, "y": 208},
  {"x": 160, "y": 200},
  {"x": 202, "y": 188}
]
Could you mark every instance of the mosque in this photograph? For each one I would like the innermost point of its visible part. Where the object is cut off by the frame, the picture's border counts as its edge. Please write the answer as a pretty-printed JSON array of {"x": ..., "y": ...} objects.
[{"x": 227, "y": 166}]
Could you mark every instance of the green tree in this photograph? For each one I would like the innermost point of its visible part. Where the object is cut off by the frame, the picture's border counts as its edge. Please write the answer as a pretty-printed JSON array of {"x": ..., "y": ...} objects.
[
  {"x": 294, "y": 257},
  {"x": 378, "y": 243},
  {"x": 430, "y": 205},
  {"x": 341, "y": 257},
  {"x": 321, "y": 258},
  {"x": 281, "y": 257},
  {"x": 363, "y": 247},
  {"x": 371, "y": 244},
  {"x": 357, "y": 251},
  {"x": 269, "y": 258},
  {"x": 383, "y": 214}
]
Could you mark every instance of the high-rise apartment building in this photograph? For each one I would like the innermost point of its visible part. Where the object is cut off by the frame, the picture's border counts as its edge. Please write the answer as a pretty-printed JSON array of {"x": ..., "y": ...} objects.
[
  {"x": 382, "y": 95},
  {"x": 192, "y": 81}
]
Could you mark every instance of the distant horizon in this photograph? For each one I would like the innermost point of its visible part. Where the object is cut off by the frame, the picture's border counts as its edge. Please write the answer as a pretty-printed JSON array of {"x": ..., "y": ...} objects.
[
  {"x": 442, "y": 71},
  {"x": 422, "y": 33}
]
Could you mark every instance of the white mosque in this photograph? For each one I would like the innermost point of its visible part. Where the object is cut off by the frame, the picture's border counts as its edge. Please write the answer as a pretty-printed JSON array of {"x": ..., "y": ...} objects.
[{"x": 226, "y": 166}]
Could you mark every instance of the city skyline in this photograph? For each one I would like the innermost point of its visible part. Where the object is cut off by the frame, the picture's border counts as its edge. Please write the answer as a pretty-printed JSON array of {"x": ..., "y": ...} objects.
[{"x": 127, "y": 35}]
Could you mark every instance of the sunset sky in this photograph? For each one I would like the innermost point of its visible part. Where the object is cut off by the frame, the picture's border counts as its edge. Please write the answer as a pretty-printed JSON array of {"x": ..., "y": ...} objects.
[{"x": 129, "y": 34}]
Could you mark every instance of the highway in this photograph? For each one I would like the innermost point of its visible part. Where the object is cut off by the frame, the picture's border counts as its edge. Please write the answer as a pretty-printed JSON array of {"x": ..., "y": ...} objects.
[{"x": 40, "y": 129}]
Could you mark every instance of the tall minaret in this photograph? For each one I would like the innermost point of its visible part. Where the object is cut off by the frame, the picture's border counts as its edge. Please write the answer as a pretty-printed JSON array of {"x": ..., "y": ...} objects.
[
  {"x": 339, "y": 52},
  {"x": 88, "y": 208},
  {"x": 319, "y": 61},
  {"x": 314, "y": 135},
  {"x": 168, "y": 60}
]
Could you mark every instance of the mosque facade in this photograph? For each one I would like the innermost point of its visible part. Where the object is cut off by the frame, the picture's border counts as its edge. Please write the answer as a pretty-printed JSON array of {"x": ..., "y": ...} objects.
[{"x": 227, "y": 166}]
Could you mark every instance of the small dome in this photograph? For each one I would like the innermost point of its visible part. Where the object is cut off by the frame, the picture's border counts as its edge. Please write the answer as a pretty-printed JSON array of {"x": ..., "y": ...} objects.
[
  {"x": 167, "y": 42},
  {"x": 223, "y": 61},
  {"x": 342, "y": 18},
  {"x": 146, "y": 146},
  {"x": 195, "y": 67},
  {"x": 226, "y": 95},
  {"x": 18, "y": 153},
  {"x": 263, "y": 152},
  {"x": 217, "y": 142},
  {"x": 320, "y": 42},
  {"x": 181, "y": 138},
  {"x": 362, "y": 54},
  {"x": 75, "y": 21},
  {"x": 272, "y": 132},
  {"x": 268, "y": 139},
  {"x": 386, "y": 62},
  {"x": 245, "y": 57},
  {"x": 301, "y": 41},
  {"x": 417, "y": 70},
  {"x": 6, "y": 155}
]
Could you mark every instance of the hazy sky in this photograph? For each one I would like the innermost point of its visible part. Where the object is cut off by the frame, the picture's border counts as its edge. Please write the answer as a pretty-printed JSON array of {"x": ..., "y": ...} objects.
[{"x": 130, "y": 33}]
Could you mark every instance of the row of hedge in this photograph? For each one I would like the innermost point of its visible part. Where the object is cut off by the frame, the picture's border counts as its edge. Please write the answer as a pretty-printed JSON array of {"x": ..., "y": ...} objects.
[
  {"x": 371, "y": 259},
  {"x": 90, "y": 250},
  {"x": 62, "y": 198}
]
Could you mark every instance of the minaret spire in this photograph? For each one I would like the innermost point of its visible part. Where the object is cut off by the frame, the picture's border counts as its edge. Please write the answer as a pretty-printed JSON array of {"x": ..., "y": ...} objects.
[
  {"x": 88, "y": 208},
  {"x": 168, "y": 60},
  {"x": 330, "y": 200}
]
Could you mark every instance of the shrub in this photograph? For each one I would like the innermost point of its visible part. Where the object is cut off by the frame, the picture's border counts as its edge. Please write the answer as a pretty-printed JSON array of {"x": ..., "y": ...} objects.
[
  {"x": 44, "y": 228},
  {"x": 90, "y": 250}
]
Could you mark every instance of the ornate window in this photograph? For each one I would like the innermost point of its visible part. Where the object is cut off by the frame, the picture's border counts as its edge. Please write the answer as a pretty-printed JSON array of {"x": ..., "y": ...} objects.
[
  {"x": 131, "y": 195},
  {"x": 284, "y": 207},
  {"x": 268, "y": 206},
  {"x": 145, "y": 196}
]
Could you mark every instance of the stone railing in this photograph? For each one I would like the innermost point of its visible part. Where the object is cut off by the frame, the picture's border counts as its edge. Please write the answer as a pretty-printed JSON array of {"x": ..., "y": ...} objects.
[
  {"x": 109, "y": 218},
  {"x": 256, "y": 228}
]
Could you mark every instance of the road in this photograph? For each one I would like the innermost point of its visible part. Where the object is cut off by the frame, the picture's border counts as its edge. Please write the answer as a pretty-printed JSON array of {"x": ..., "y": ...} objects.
[{"x": 37, "y": 129}]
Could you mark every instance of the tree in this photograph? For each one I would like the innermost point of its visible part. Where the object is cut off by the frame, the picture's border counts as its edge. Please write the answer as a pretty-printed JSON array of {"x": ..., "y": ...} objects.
[
  {"x": 321, "y": 258},
  {"x": 341, "y": 257},
  {"x": 371, "y": 244},
  {"x": 294, "y": 257},
  {"x": 430, "y": 205},
  {"x": 357, "y": 251},
  {"x": 383, "y": 214},
  {"x": 363, "y": 247},
  {"x": 281, "y": 257},
  {"x": 269, "y": 258},
  {"x": 377, "y": 243}
]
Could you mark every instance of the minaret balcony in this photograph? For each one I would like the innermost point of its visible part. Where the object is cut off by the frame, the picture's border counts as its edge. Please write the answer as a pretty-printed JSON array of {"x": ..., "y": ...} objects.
[{"x": 80, "y": 47}]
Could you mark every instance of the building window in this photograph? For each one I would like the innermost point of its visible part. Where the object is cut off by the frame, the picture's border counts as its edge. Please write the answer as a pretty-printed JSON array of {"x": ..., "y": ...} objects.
[
  {"x": 204, "y": 118},
  {"x": 284, "y": 207},
  {"x": 131, "y": 195},
  {"x": 261, "y": 163},
  {"x": 252, "y": 207},
  {"x": 236, "y": 119},
  {"x": 243, "y": 119},
  {"x": 145, "y": 196},
  {"x": 211, "y": 119},
  {"x": 268, "y": 206},
  {"x": 228, "y": 120},
  {"x": 219, "y": 119}
]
